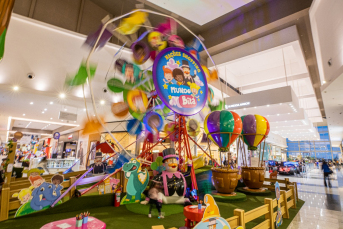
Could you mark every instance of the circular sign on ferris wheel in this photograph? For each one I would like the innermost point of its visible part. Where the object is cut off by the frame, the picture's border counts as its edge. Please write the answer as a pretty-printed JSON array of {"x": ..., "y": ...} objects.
[{"x": 180, "y": 81}]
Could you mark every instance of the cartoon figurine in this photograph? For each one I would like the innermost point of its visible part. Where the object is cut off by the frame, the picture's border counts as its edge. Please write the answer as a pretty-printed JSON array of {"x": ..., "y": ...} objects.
[
  {"x": 278, "y": 220},
  {"x": 194, "y": 89},
  {"x": 98, "y": 166},
  {"x": 173, "y": 181},
  {"x": 176, "y": 41},
  {"x": 168, "y": 75},
  {"x": 36, "y": 181},
  {"x": 46, "y": 193},
  {"x": 186, "y": 71},
  {"x": 156, "y": 41},
  {"x": 24, "y": 195},
  {"x": 179, "y": 76},
  {"x": 137, "y": 179}
]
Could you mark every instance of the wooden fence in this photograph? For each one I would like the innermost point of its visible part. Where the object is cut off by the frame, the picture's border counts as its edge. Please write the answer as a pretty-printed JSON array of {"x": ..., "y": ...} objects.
[{"x": 288, "y": 199}]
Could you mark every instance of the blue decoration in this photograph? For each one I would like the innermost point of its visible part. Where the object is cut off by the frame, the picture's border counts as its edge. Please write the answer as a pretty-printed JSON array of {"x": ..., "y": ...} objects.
[
  {"x": 134, "y": 126},
  {"x": 180, "y": 81}
]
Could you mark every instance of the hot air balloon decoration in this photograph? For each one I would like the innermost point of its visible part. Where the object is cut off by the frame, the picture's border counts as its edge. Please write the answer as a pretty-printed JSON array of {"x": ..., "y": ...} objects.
[
  {"x": 255, "y": 130},
  {"x": 223, "y": 128}
]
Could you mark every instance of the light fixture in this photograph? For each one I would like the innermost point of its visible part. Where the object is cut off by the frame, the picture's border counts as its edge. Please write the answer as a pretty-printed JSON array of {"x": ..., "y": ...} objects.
[
  {"x": 45, "y": 109},
  {"x": 268, "y": 105},
  {"x": 15, "y": 88},
  {"x": 84, "y": 109},
  {"x": 42, "y": 112},
  {"x": 324, "y": 82},
  {"x": 102, "y": 102},
  {"x": 31, "y": 103},
  {"x": 51, "y": 103},
  {"x": 278, "y": 114},
  {"x": 23, "y": 114},
  {"x": 65, "y": 109},
  {"x": 50, "y": 118},
  {"x": 62, "y": 95}
]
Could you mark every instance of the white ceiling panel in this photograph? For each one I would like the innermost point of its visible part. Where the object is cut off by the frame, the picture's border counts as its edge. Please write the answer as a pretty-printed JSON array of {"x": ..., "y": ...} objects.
[{"x": 200, "y": 11}]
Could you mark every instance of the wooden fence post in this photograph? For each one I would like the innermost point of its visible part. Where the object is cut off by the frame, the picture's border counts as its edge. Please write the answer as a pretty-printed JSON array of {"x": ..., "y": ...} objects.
[
  {"x": 240, "y": 213},
  {"x": 72, "y": 190},
  {"x": 5, "y": 203},
  {"x": 270, "y": 212},
  {"x": 284, "y": 196},
  {"x": 11, "y": 157},
  {"x": 293, "y": 196}
]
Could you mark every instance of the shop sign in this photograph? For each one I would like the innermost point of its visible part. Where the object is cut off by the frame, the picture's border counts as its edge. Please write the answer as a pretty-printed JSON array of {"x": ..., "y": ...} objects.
[
  {"x": 180, "y": 81},
  {"x": 57, "y": 135}
]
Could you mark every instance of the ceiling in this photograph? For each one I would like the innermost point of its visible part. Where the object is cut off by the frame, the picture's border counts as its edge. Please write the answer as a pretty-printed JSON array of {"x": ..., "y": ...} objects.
[
  {"x": 209, "y": 10},
  {"x": 327, "y": 29},
  {"x": 55, "y": 52}
]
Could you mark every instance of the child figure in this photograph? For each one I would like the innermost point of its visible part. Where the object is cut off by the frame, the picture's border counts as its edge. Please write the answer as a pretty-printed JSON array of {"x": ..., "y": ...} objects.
[
  {"x": 155, "y": 198},
  {"x": 24, "y": 195},
  {"x": 168, "y": 75},
  {"x": 194, "y": 89}
]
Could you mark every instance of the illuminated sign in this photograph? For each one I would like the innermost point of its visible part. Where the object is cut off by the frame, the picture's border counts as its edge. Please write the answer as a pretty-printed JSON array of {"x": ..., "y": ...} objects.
[{"x": 237, "y": 105}]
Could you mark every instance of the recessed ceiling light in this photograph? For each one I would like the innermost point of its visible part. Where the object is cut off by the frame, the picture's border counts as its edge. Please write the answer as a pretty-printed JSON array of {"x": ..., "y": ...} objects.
[
  {"x": 324, "y": 82},
  {"x": 45, "y": 109},
  {"x": 268, "y": 105},
  {"x": 15, "y": 88},
  {"x": 62, "y": 120},
  {"x": 255, "y": 107},
  {"x": 42, "y": 112},
  {"x": 51, "y": 103},
  {"x": 23, "y": 114},
  {"x": 93, "y": 115},
  {"x": 74, "y": 121},
  {"x": 65, "y": 109},
  {"x": 102, "y": 102},
  {"x": 51, "y": 118},
  {"x": 31, "y": 103},
  {"x": 84, "y": 109},
  {"x": 278, "y": 114},
  {"x": 62, "y": 95}
]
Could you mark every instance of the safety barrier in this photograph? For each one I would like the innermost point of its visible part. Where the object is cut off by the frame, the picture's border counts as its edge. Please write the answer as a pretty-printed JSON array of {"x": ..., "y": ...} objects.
[{"x": 287, "y": 200}]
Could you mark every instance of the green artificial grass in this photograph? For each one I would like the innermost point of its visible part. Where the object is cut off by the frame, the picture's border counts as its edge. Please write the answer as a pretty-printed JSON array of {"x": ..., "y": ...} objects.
[
  {"x": 168, "y": 209},
  {"x": 239, "y": 197},
  {"x": 101, "y": 207},
  {"x": 202, "y": 169},
  {"x": 247, "y": 192}
]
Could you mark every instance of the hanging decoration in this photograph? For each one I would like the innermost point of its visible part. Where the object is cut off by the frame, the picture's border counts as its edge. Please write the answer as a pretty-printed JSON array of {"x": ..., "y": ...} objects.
[
  {"x": 188, "y": 95},
  {"x": 255, "y": 130}
]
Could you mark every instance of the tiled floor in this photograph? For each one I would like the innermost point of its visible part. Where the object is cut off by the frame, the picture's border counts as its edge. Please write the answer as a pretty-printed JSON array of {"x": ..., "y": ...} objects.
[{"x": 323, "y": 206}]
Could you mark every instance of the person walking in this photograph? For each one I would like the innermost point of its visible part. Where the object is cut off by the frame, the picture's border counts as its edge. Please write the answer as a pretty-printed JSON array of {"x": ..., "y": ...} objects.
[{"x": 327, "y": 171}]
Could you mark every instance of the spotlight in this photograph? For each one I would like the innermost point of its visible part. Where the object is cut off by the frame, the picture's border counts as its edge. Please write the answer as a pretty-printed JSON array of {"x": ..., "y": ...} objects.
[
  {"x": 62, "y": 95},
  {"x": 51, "y": 103},
  {"x": 102, "y": 102},
  {"x": 15, "y": 88}
]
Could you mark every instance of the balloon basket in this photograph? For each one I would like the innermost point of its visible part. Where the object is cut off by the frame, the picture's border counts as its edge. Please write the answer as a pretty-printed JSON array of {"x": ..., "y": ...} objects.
[
  {"x": 225, "y": 180},
  {"x": 216, "y": 137},
  {"x": 253, "y": 177}
]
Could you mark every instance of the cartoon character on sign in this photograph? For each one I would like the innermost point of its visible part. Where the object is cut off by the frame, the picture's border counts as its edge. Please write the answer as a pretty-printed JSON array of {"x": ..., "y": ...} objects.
[
  {"x": 186, "y": 93},
  {"x": 278, "y": 220},
  {"x": 186, "y": 70},
  {"x": 24, "y": 195},
  {"x": 179, "y": 76},
  {"x": 211, "y": 218},
  {"x": 194, "y": 89},
  {"x": 137, "y": 180}
]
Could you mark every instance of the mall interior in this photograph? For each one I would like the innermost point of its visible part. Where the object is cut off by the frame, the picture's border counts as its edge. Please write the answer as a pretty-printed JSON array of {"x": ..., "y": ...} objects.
[{"x": 160, "y": 114}]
